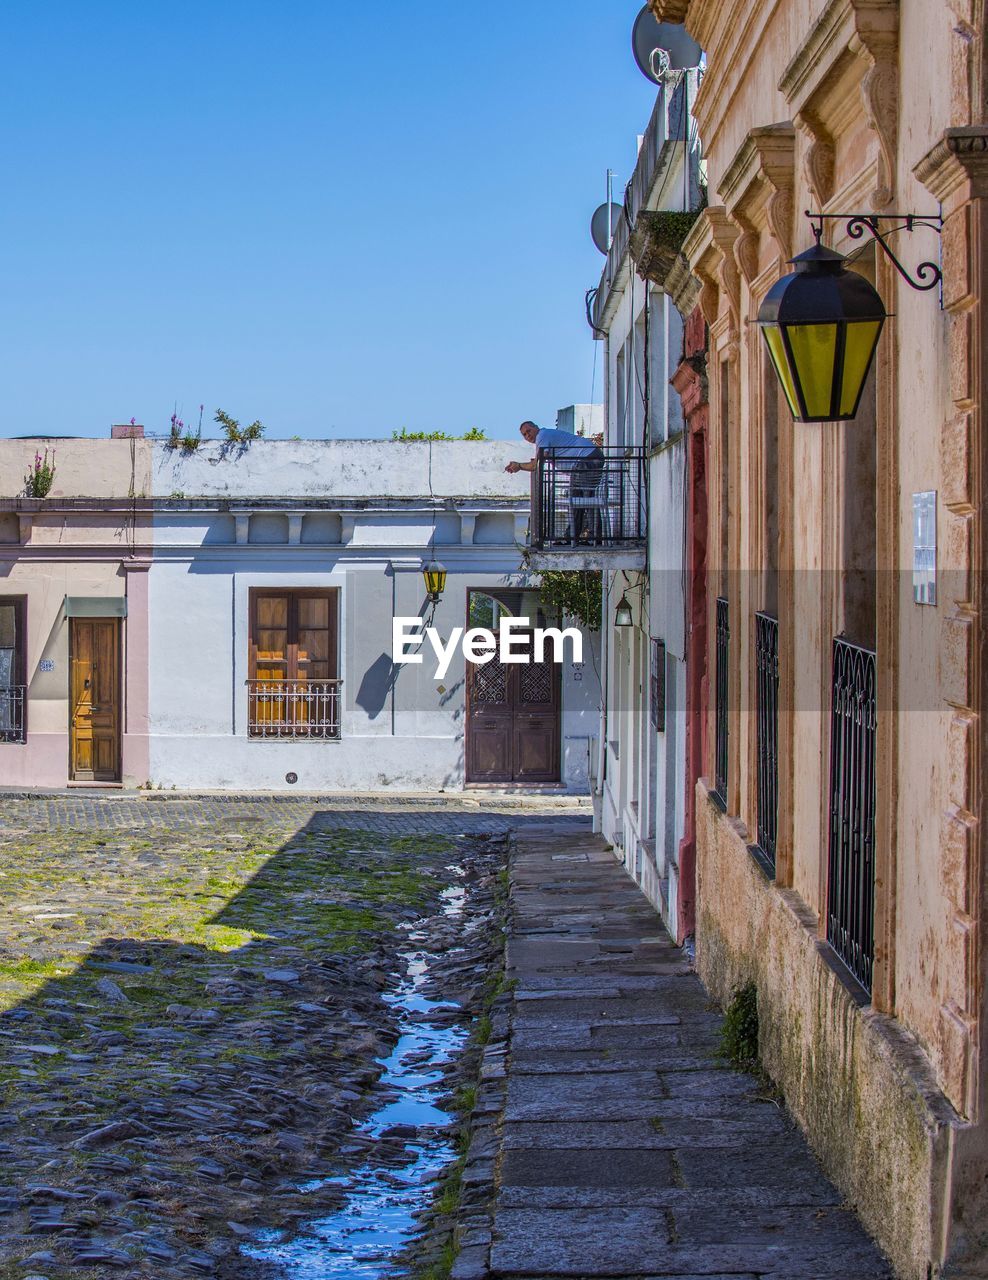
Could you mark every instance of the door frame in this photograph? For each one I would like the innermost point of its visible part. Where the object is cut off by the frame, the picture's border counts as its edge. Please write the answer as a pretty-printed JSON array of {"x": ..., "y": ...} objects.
[
  {"x": 513, "y": 676},
  {"x": 119, "y": 707}
]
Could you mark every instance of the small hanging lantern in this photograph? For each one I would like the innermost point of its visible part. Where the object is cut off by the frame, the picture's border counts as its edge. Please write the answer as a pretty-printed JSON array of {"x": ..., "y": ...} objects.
[
  {"x": 622, "y": 614},
  {"x": 821, "y": 325},
  {"x": 434, "y": 574}
]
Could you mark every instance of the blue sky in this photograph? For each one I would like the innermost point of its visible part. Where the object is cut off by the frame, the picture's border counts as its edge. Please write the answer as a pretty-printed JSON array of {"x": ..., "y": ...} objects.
[{"x": 343, "y": 219}]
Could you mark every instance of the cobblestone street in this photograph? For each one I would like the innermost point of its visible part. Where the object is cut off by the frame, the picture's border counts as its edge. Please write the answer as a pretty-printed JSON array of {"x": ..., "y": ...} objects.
[
  {"x": 192, "y": 1025},
  {"x": 191, "y": 1013}
]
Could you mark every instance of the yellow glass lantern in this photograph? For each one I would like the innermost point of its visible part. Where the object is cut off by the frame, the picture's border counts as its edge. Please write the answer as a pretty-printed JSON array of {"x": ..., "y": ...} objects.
[
  {"x": 434, "y": 574},
  {"x": 821, "y": 325}
]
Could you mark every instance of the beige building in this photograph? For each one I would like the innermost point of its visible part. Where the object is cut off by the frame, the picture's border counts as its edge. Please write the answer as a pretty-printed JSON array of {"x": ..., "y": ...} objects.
[
  {"x": 74, "y": 614},
  {"x": 839, "y": 842}
]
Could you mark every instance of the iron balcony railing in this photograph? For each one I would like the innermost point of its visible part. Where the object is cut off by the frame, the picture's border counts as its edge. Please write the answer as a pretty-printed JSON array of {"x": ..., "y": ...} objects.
[
  {"x": 589, "y": 500},
  {"x": 13, "y": 698},
  {"x": 294, "y": 709},
  {"x": 722, "y": 638},
  {"x": 851, "y": 892},
  {"x": 767, "y": 726}
]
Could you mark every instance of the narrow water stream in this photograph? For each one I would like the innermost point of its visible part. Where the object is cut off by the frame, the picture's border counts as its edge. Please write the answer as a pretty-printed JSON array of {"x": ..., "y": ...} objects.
[{"x": 377, "y": 1218}]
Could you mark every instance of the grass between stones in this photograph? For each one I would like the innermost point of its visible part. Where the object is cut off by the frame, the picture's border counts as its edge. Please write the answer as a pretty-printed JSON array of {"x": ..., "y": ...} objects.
[{"x": 218, "y": 993}]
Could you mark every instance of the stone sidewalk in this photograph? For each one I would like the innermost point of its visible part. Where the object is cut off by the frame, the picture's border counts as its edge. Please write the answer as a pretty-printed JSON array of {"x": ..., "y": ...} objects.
[{"x": 626, "y": 1148}]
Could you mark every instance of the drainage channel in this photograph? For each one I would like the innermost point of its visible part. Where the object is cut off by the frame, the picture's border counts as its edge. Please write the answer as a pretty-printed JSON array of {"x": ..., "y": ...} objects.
[{"x": 379, "y": 1214}]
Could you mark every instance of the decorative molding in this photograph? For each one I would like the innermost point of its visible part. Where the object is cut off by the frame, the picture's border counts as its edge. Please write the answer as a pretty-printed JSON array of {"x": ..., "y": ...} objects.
[
  {"x": 865, "y": 31},
  {"x": 765, "y": 161},
  {"x": 683, "y": 286},
  {"x": 880, "y": 95},
  {"x": 746, "y": 248},
  {"x": 670, "y": 10},
  {"x": 709, "y": 247},
  {"x": 958, "y": 159},
  {"x": 820, "y": 158},
  {"x": 822, "y": 47}
]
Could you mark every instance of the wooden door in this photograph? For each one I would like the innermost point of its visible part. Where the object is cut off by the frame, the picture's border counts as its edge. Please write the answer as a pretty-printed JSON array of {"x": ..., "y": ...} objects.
[
  {"x": 94, "y": 736},
  {"x": 513, "y": 722}
]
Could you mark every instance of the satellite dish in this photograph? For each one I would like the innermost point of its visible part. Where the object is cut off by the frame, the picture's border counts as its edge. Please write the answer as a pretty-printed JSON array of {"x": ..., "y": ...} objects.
[
  {"x": 662, "y": 46},
  {"x": 598, "y": 225}
]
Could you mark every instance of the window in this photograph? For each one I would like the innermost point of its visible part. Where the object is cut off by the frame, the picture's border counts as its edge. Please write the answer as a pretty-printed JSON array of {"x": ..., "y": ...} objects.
[
  {"x": 13, "y": 669},
  {"x": 293, "y": 690},
  {"x": 657, "y": 686}
]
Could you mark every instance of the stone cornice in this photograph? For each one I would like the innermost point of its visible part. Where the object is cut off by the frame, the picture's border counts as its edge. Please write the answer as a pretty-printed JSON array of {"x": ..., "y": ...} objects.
[
  {"x": 682, "y": 286},
  {"x": 670, "y": 10},
  {"x": 709, "y": 248},
  {"x": 866, "y": 31},
  {"x": 958, "y": 159},
  {"x": 764, "y": 163}
]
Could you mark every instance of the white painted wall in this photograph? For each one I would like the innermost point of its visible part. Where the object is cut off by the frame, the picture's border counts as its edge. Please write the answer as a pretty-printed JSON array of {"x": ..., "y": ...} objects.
[
  {"x": 641, "y": 800},
  {"x": 327, "y": 469}
]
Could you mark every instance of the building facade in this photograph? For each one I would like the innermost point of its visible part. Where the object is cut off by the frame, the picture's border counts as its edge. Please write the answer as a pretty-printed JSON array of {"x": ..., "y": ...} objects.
[
  {"x": 642, "y": 791},
  {"x": 839, "y": 844},
  {"x": 239, "y": 605}
]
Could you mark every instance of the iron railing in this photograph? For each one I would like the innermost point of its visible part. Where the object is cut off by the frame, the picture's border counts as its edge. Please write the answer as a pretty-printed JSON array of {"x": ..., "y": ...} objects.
[
  {"x": 13, "y": 699},
  {"x": 293, "y": 709},
  {"x": 596, "y": 500},
  {"x": 723, "y": 635},
  {"x": 767, "y": 729},
  {"x": 851, "y": 892}
]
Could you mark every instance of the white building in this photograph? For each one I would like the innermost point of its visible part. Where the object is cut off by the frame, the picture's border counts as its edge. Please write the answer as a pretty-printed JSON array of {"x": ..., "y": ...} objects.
[
  {"x": 223, "y": 618},
  {"x": 640, "y": 793},
  {"x": 286, "y": 562}
]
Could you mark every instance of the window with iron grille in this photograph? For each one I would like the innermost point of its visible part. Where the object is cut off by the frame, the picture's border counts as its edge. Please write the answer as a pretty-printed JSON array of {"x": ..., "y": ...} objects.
[
  {"x": 657, "y": 686},
  {"x": 722, "y": 638},
  {"x": 851, "y": 887},
  {"x": 293, "y": 691},
  {"x": 767, "y": 727},
  {"x": 13, "y": 669}
]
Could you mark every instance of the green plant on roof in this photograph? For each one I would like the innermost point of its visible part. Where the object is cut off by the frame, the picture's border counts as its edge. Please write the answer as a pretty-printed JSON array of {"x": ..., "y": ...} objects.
[{"x": 235, "y": 433}]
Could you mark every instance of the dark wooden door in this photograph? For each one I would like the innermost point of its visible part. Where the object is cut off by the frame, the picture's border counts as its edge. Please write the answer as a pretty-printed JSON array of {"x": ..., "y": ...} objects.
[
  {"x": 513, "y": 722},
  {"x": 94, "y": 736}
]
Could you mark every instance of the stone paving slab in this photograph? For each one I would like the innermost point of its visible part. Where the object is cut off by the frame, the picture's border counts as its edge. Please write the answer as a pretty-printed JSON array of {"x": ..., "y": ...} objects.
[{"x": 627, "y": 1148}]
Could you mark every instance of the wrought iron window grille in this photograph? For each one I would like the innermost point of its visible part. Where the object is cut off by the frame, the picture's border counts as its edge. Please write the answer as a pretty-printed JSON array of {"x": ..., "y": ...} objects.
[
  {"x": 721, "y": 732},
  {"x": 294, "y": 710},
  {"x": 851, "y": 880},
  {"x": 767, "y": 733}
]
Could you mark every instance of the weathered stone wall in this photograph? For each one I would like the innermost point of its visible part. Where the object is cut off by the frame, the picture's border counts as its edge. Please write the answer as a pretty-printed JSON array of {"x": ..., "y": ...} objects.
[{"x": 853, "y": 1078}]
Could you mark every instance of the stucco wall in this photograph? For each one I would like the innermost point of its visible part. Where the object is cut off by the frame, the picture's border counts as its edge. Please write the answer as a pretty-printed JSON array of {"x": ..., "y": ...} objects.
[
  {"x": 852, "y": 1077},
  {"x": 83, "y": 468},
  {"x": 325, "y": 469},
  {"x": 43, "y": 760},
  {"x": 401, "y": 729}
]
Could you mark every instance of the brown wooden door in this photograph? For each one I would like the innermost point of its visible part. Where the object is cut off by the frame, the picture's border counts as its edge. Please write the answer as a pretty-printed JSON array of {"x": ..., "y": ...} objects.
[
  {"x": 513, "y": 723},
  {"x": 94, "y": 737}
]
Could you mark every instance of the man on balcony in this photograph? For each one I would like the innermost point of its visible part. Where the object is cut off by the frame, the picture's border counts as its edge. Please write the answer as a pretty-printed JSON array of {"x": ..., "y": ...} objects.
[{"x": 576, "y": 459}]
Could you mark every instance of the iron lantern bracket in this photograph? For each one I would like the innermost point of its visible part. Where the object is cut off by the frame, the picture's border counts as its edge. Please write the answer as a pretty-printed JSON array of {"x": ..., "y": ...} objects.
[{"x": 928, "y": 274}]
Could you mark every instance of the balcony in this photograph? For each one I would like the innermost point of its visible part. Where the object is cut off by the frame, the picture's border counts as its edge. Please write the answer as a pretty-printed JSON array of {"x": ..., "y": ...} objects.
[
  {"x": 589, "y": 511},
  {"x": 13, "y": 698},
  {"x": 294, "y": 710}
]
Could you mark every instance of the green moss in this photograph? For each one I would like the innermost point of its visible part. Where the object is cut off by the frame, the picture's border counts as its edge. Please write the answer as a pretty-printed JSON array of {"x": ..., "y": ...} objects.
[{"x": 739, "y": 1034}]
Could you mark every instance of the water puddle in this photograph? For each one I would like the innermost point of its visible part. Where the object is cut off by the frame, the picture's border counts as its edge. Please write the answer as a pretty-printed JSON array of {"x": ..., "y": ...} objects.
[{"x": 377, "y": 1218}]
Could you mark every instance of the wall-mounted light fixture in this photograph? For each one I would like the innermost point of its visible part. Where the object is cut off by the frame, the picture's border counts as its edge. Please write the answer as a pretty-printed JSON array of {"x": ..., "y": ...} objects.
[
  {"x": 822, "y": 322},
  {"x": 622, "y": 614},
  {"x": 434, "y": 574}
]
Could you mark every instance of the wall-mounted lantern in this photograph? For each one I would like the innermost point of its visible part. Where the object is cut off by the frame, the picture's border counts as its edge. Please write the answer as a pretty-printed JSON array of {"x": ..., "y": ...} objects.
[
  {"x": 434, "y": 574},
  {"x": 822, "y": 322},
  {"x": 622, "y": 614}
]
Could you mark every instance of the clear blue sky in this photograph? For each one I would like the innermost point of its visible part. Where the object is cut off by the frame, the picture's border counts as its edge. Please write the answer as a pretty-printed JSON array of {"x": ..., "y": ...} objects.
[{"x": 340, "y": 218}]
